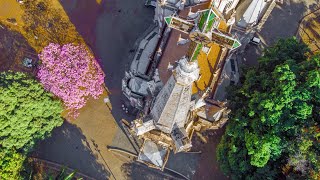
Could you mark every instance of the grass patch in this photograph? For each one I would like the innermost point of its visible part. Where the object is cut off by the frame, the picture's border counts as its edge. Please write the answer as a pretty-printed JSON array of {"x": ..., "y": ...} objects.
[
  {"x": 236, "y": 44},
  {"x": 196, "y": 52},
  {"x": 168, "y": 20},
  {"x": 203, "y": 19}
]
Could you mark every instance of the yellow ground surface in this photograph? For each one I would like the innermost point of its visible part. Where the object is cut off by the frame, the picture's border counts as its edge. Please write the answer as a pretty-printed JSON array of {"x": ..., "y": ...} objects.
[
  {"x": 10, "y": 9},
  {"x": 13, "y": 9},
  {"x": 97, "y": 123},
  {"x": 310, "y": 31}
]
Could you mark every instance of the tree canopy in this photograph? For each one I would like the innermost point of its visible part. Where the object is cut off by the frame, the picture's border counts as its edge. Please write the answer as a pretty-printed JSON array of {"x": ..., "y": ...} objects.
[
  {"x": 274, "y": 125},
  {"x": 11, "y": 163},
  {"x": 27, "y": 113},
  {"x": 71, "y": 73}
]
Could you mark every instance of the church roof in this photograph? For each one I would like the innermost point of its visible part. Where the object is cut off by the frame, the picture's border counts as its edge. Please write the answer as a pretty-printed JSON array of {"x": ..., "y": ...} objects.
[
  {"x": 173, "y": 102},
  {"x": 173, "y": 51},
  {"x": 153, "y": 154}
]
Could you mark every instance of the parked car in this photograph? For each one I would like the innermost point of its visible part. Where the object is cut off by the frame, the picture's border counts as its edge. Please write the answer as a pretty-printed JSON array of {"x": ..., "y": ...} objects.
[{"x": 255, "y": 41}]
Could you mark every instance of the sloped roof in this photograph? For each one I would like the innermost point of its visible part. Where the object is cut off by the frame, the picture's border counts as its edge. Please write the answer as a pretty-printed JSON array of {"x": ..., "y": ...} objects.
[{"x": 153, "y": 154}]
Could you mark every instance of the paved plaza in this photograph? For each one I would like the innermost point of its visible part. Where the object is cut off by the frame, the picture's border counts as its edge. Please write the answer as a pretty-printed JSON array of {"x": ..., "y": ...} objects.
[{"x": 282, "y": 23}]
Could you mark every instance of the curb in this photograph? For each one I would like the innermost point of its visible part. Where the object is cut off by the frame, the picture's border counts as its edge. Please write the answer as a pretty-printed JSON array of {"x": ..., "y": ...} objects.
[{"x": 58, "y": 167}]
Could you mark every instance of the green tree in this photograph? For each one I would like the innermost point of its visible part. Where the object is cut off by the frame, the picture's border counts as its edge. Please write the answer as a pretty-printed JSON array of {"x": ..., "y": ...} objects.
[
  {"x": 275, "y": 117},
  {"x": 27, "y": 113},
  {"x": 10, "y": 164}
]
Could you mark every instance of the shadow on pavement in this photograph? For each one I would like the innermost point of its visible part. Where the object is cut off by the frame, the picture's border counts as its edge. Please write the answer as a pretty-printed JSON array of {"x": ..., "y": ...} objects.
[
  {"x": 282, "y": 23},
  {"x": 208, "y": 167},
  {"x": 75, "y": 153},
  {"x": 111, "y": 28},
  {"x": 140, "y": 171},
  {"x": 14, "y": 49}
]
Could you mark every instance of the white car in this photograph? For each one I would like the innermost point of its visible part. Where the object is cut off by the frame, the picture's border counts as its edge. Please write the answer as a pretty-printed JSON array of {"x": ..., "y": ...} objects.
[{"x": 255, "y": 41}]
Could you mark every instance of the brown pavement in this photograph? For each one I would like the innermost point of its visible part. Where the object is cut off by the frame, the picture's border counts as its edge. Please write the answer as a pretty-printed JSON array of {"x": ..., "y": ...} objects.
[
  {"x": 82, "y": 144},
  {"x": 99, "y": 127},
  {"x": 10, "y": 9},
  {"x": 282, "y": 23}
]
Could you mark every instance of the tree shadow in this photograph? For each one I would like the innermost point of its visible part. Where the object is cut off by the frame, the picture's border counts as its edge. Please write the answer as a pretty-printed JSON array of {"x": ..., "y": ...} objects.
[
  {"x": 312, "y": 24},
  {"x": 111, "y": 28},
  {"x": 315, "y": 6},
  {"x": 14, "y": 49},
  {"x": 283, "y": 21},
  {"x": 69, "y": 147}
]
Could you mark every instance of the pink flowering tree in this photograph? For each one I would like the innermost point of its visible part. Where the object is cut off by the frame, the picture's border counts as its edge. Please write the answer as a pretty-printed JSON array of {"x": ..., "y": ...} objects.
[{"x": 71, "y": 73}]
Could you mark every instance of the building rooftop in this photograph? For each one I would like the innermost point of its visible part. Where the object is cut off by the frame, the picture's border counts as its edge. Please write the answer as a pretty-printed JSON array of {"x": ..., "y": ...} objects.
[
  {"x": 147, "y": 46},
  {"x": 173, "y": 51},
  {"x": 153, "y": 154},
  {"x": 206, "y": 56}
]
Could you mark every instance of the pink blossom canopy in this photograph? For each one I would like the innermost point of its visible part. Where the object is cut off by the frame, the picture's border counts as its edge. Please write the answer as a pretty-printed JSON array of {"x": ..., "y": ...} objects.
[{"x": 71, "y": 73}]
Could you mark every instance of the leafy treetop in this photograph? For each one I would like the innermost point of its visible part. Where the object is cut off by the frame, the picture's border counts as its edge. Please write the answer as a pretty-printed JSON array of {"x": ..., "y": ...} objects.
[
  {"x": 27, "y": 113},
  {"x": 274, "y": 124}
]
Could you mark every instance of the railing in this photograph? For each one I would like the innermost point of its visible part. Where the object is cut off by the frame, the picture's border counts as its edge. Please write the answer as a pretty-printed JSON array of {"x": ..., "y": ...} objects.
[{"x": 58, "y": 167}]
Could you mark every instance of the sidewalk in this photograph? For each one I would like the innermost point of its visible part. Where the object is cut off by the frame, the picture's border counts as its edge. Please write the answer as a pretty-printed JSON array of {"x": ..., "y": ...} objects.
[
  {"x": 230, "y": 74},
  {"x": 82, "y": 145},
  {"x": 101, "y": 129}
]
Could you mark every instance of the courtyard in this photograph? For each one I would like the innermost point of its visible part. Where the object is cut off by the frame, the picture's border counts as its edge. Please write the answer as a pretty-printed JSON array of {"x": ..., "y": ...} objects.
[{"x": 287, "y": 15}]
